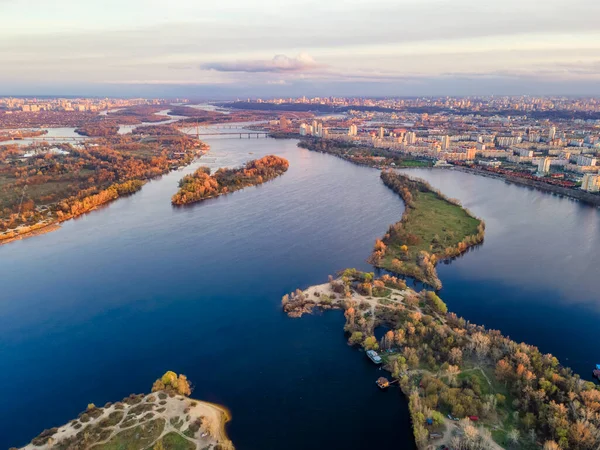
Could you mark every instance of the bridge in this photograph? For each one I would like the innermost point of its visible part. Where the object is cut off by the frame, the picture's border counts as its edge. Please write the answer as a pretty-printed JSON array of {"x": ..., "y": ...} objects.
[{"x": 198, "y": 135}]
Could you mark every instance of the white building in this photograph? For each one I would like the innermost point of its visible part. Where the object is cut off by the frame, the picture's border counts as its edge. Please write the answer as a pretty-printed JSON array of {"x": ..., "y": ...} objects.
[
  {"x": 583, "y": 160},
  {"x": 445, "y": 143},
  {"x": 591, "y": 182},
  {"x": 544, "y": 166}
]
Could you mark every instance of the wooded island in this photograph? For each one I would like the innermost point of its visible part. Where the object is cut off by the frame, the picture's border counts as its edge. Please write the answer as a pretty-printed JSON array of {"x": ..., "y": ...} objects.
[
  {"x": 433, "y": 228},
  {"x": 201, "y": 185}
]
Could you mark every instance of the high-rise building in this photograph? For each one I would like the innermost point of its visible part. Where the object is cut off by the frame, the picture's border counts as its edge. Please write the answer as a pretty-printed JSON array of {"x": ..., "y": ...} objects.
[
  {"x": 445, "y": 142},
  {"x": 410, "y": 138},
  {"x": 353, "y": 130},
  {"x": 303, "y": 129},
  {"x": 552, "y": 133},
  {"x": 381, "y": 132},
  {"x": 544, "y": 166},
  {"x": 591, "y": 182},
  {"x": 320, "y": 129},
  {"x": 584, "y": 160},
  {"x": 284, "y": 124}
]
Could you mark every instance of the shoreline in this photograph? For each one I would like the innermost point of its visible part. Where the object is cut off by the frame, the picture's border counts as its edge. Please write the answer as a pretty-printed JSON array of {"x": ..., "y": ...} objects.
[
  {"x": 141, "y": 421},
  {"x": 202, "y": 185},
  {"x": 584, "y": 197},
  {"x": 415, "y": 321},
  {"x": 422, "y": 267},
  {"x": 43, "y": 228}
]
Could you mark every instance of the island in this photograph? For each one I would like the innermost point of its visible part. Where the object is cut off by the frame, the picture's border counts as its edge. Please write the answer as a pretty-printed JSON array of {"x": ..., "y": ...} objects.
[
  {"x": 166, "y": 419},
  {"x": 201, "y": 185},
  {"x": 433, "y": 228},
  {"x": 467, "y": 387}
]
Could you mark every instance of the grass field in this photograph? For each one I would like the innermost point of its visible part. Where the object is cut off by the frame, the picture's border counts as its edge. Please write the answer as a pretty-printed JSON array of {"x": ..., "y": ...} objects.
[{"x": 430, "y": 224}]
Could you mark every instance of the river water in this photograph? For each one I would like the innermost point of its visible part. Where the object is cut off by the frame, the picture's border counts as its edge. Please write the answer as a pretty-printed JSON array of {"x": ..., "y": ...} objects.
[
  {"x": 105, "y": 305},
  {"x": 535, "y": 277}
]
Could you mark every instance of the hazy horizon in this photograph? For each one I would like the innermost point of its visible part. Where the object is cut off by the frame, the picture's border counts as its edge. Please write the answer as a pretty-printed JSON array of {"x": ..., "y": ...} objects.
[{"x": 238, "y": 49}]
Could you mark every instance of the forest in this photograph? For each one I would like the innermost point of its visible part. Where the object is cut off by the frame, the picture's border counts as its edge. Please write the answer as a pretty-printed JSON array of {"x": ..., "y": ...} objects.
[
  {"x": 465, "y": 382},
  {"x": 202, "y": 185},
  {"x": 366, "y": 156},
  {"x": 43, "y": 184},
  {"x": 432, "y": 228}
]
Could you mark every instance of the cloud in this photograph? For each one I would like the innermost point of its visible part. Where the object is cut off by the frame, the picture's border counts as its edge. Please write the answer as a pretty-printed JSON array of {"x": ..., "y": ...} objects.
[{"x": 279, "y": 64}]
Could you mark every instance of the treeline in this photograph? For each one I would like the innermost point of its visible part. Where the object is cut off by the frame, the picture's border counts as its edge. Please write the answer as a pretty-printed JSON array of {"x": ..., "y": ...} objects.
[
  {"x": 133, "y": 115},
  {"x": 365, "y": 156},
  {"x": 433, "y": 228},
  {"x": 98, "y": 129},
  {"x": 202, "y": 185}
]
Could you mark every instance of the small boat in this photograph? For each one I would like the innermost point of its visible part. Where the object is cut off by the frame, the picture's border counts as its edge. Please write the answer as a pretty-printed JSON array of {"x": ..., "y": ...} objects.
[
  {"x": 373, "y": 356},
  {"x": 597, "y": 366},
  {"x": 383, "y": 383}
]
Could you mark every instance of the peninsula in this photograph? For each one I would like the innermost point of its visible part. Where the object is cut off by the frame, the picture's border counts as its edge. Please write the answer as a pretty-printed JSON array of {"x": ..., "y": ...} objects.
[
  {"x": 468, "y": 387},
  {"x": 166, "y": 419},
  {"x": 201, "y": 185},
  {"x": 433, "y": 228}
]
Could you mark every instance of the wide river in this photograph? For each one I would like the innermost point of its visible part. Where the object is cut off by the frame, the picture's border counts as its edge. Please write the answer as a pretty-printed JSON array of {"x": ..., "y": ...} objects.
[{"x": 102, "y": 307}]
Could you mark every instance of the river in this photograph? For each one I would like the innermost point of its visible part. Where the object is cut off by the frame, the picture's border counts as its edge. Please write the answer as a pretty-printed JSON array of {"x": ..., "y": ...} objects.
[
  {"x": 105, "y": 305},
  {"x": 535, "y": 277}
]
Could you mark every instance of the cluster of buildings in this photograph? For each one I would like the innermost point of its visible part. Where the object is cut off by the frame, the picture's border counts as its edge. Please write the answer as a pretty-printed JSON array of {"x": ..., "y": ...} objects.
[
  {"x": 475, "y": 103},
  {"x": 13, "y": 104},
  {"x": 562, "y": 149}
]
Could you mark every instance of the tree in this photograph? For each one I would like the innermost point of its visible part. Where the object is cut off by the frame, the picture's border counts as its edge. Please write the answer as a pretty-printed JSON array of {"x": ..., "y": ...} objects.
[
  {"x": 455, "y": 355},
  {"x": 370, "y": 343},
  {"x": 355, "y": 338},
  {"x": 513, "y": 436},
  {"x": 437, "y": 417},
  {"x": 480, "y": 343},
  {"x": 504, "y": 371},
  {"x": 551, "y": 445},
  {"x": 183, "y": 385}
]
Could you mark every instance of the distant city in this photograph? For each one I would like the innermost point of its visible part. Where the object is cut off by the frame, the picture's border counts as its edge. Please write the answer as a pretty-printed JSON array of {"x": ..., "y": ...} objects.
[{"x": 560, "y": 151}]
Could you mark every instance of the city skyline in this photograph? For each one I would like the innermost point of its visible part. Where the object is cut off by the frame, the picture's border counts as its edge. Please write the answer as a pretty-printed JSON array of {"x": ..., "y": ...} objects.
[{"x": 233, "y": 49}]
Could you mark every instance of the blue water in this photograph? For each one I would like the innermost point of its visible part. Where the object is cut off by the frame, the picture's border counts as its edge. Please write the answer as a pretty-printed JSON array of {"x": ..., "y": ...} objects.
[
  {"x": 535, "y": 277},
  {"x": 100, "y": 308}
]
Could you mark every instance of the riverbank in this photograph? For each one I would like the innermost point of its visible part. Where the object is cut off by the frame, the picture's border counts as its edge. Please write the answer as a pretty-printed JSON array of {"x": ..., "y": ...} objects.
[
  {"x": 378, "y": 158},
  {"x": 47, "y": 217},
  {"x": 158, "y": 420},
  {"x": 72, "y": 209},
  {"x": 577, "y": 194},
  {"x": 433, "y": 228},
  {"x": 463, "y": 382}
]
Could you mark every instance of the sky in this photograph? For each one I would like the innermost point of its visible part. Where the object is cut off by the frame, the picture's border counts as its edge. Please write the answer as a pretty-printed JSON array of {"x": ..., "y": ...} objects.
[{"x": 249, "y": 48}]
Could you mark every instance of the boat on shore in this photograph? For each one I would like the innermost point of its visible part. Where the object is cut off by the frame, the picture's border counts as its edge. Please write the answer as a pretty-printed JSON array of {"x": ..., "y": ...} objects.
[{"x": 373, "y": 356}]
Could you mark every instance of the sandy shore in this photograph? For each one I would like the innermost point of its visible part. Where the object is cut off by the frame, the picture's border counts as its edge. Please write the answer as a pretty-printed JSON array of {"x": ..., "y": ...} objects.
[{"x": 139, "y": 422}]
